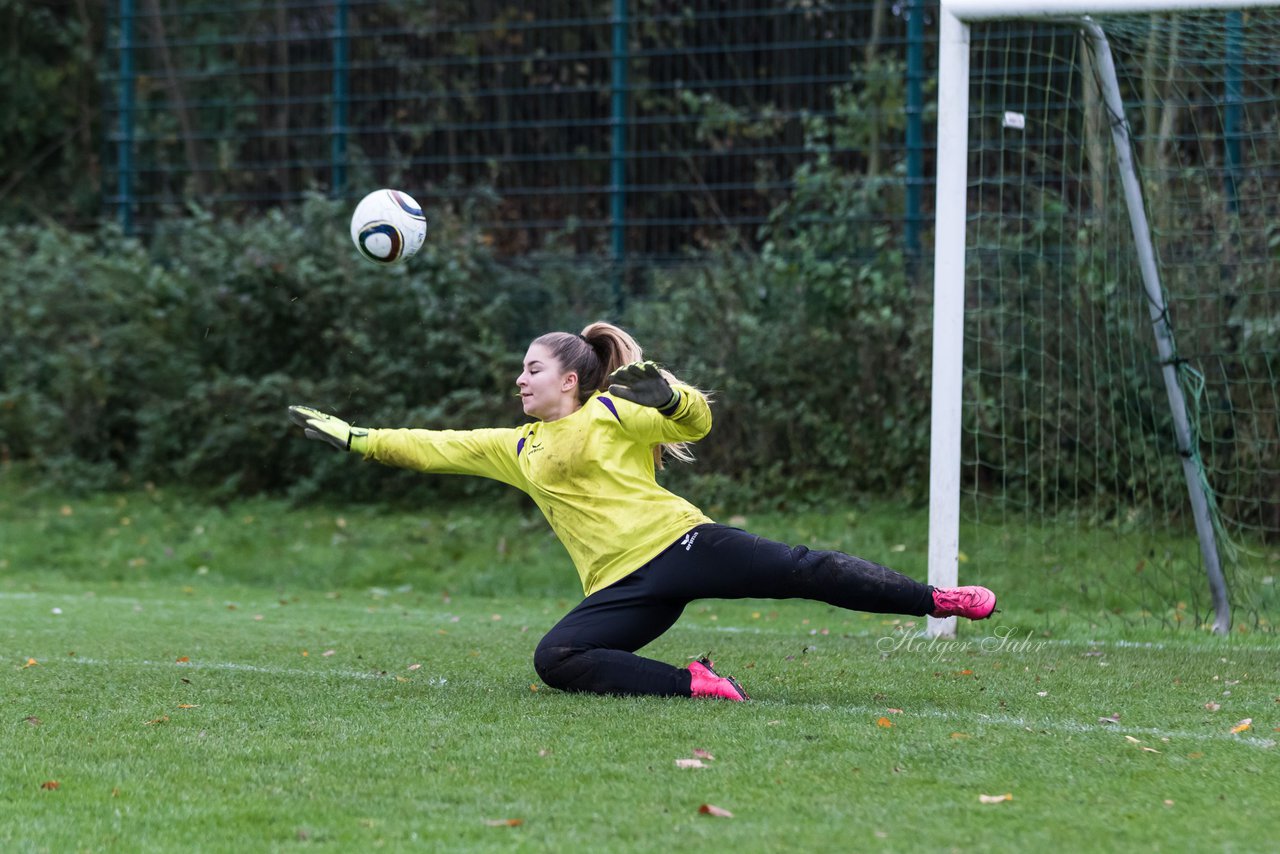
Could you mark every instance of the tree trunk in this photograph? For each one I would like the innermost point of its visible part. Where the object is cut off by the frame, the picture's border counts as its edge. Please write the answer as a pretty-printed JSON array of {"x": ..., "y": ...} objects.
[
  {"x": 1097, "y": 133},
  {"x": 176, "y": 92},
  {"x": 870, "y": 53}
]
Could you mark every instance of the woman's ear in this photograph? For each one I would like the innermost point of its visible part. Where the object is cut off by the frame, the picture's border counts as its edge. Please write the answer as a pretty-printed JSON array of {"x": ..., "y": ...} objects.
[{"x": 570, "y": 381}]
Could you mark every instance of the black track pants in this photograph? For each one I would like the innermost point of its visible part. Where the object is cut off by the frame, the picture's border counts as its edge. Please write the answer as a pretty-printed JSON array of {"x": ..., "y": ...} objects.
[{"x": 593, "y": 647}]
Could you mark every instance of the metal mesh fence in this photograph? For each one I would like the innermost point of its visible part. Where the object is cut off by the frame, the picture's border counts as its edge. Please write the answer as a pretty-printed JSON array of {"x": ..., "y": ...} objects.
[{"x": 640, "y": 131}]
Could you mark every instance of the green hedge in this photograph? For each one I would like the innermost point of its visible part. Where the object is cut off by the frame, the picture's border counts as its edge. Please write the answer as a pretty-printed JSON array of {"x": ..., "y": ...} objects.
[
  {"x": 174, "y": 362},
  {"x": 819, "y": 363}
]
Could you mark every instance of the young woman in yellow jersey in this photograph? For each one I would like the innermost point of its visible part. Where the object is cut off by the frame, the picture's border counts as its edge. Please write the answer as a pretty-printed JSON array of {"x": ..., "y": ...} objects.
[{"x": 603, "y": 420}]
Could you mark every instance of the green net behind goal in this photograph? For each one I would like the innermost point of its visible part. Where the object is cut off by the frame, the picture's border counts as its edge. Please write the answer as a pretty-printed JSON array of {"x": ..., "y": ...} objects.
[{"x": 1067, "y": 422}]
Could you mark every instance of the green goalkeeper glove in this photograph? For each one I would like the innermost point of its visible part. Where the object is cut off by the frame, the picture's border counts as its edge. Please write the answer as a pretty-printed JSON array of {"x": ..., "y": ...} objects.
[
  {"x": 325, "y": 428},
  {"x": 640, "y": 382}
]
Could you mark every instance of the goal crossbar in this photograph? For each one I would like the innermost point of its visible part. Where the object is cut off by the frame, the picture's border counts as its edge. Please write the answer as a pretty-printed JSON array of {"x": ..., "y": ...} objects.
[{"x": 990, "y": 10}]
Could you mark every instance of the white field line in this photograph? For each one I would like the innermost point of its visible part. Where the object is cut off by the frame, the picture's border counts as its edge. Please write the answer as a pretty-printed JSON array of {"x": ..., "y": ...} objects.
[
  {"x": 968, "y": 719},
  {"x": 970, "y": 633},
  {"x": 1058, "y": 725},
  {"x": 236, "y": 667},
  {"x": 975, "y": 641}
]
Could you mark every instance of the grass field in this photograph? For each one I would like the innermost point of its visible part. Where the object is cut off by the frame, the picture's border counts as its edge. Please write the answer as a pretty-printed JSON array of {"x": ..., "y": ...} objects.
[{"x": 258, "y": 677}]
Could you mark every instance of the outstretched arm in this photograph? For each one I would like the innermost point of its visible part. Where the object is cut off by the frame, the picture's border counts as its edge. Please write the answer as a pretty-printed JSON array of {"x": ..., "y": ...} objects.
[{"x": 489, "y": 453}]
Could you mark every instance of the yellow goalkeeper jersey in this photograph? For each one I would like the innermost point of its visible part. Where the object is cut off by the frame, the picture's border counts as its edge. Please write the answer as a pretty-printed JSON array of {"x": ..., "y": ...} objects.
[{"x": 591, "y": 473}]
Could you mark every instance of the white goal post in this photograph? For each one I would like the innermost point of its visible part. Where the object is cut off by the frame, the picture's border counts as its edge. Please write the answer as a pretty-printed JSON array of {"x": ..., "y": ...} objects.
[{"x": 946, "y": 428}]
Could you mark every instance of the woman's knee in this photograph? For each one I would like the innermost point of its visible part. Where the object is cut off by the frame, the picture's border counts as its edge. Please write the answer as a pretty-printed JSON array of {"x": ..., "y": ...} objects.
[{"x": 552, "y": 662}]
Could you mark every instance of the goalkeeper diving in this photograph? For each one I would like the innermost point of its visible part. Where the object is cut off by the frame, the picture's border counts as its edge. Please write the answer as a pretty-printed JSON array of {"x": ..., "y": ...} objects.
[{"x": 604, "y": 421}]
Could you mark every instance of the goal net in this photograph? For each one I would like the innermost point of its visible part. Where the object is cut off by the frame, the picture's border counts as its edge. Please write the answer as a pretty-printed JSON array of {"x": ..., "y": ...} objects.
[{"x": 1118, "y": 422}]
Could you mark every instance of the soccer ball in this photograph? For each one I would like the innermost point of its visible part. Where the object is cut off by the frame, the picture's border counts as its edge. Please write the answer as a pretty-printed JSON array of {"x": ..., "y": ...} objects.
[{"x": 388, "y": 226}]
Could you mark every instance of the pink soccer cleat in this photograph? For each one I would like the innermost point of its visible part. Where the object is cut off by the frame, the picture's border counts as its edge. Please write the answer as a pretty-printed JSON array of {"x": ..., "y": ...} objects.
[
  {"x": 974, "y": 603},
  {"x": 705, "y": 682}
]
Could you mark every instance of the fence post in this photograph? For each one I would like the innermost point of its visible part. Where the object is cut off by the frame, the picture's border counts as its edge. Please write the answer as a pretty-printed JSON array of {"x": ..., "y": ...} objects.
[
  {"x": 915, "y": 129},
  {"x": 341, "y": 80},
  {"x": 618, "y": 153},
  {"x": 124, "y": 142}
]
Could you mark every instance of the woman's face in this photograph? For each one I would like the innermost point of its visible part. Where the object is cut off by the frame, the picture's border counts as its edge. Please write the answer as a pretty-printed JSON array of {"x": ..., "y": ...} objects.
[{"x": 547, "y": 391}]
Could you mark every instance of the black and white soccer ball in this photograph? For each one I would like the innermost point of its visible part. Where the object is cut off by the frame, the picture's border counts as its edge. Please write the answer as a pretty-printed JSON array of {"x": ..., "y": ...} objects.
[{"x": 388, "y": 226}]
